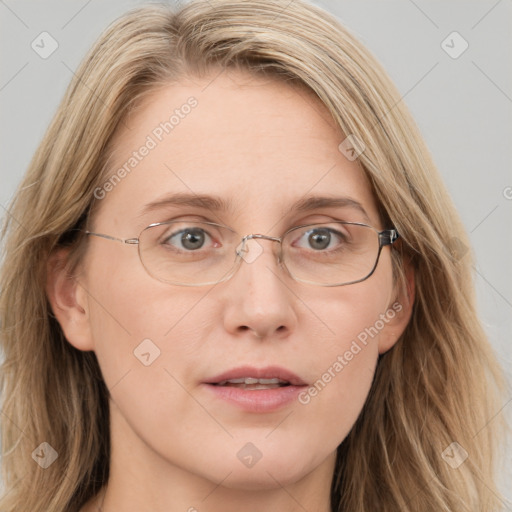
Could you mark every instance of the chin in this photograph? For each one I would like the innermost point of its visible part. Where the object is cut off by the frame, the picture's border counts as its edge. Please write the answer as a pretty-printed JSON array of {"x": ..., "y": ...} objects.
[
  {"x": 276, "y": 468},
  {"x": 264, "y": 478}
]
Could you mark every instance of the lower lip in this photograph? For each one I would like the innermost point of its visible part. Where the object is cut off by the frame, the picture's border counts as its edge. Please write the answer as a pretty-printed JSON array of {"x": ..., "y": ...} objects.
[{"x": 257, "y": 400}]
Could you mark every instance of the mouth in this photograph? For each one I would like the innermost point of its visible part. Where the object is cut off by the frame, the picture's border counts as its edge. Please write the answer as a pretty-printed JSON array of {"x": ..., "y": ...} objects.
[
  {"x": 254, "y": 383},
  {"x": 256, "y": 389},
  {"x": 248, "y": 377}
]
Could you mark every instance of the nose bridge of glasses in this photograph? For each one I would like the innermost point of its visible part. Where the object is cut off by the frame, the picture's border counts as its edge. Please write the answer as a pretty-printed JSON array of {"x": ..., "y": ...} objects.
[
  {"x": 244, "y": 247},
  {"x": 249, "y": 237}
]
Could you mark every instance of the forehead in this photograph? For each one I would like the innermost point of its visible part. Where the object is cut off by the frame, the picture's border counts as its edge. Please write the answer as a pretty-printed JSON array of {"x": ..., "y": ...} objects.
[{"x": 258, "y": 143}]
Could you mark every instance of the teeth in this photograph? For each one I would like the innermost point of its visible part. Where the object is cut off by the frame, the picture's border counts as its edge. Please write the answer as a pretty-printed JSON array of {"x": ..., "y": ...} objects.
[
  {"x": 233, "y": 381},
  {"x": 270, "y": 381},
  {"x": 252, "y": 380}
]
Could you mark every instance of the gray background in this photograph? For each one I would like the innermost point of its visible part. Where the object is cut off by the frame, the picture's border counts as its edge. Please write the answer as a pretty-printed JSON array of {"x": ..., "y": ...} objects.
[{"x": 463, "y": 107}]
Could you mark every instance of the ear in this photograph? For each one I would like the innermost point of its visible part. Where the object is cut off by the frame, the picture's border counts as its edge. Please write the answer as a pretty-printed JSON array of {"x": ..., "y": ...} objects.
[
  {"x": 68, "y": 300},
  {"x": 399, "y": 311}
]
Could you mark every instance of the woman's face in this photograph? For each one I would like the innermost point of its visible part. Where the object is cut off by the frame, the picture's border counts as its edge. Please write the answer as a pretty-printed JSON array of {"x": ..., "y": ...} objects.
[{"x": 261, "y": 146}]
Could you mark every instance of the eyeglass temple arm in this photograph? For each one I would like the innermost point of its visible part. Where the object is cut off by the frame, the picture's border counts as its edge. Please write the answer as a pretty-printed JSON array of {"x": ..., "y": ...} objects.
[
  {"x": 108, "y": 237},
  {"x": 388, "y": 236}
]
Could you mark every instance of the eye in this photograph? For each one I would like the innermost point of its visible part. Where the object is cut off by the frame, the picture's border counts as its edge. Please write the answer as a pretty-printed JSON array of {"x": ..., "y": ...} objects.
[
  {"x": 321, "y": 238},
  {"x": 187, "y": 239}
]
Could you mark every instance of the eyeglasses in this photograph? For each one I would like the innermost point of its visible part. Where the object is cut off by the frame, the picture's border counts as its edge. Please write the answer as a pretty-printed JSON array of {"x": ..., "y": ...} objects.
[{"x": 190, "y": 253}]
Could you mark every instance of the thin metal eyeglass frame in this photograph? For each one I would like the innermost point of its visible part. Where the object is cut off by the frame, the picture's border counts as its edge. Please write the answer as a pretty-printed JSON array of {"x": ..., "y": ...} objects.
[{"x": 386, "y": 237}]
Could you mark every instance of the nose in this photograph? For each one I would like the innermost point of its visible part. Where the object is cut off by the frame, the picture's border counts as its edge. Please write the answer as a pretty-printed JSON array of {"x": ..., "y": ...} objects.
[{"x": 258, "y": 297}]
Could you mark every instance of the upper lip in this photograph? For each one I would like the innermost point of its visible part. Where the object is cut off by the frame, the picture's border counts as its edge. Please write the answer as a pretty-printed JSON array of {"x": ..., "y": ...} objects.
[{"x": 268, "y": 372}]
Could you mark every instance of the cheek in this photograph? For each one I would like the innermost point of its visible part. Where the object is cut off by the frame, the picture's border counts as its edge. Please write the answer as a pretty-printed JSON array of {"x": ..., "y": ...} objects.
[
  {"x": 147, "y": 339},
  {"x": 345, "y": 353},
  {"x": 133, "y": 317},
  {"x": 351, "y": 315},
  {"x": 339, "y": 389}
]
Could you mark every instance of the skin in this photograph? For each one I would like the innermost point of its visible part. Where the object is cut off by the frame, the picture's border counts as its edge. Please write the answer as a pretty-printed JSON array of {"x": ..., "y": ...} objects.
[{"x": 262, "y": 144}]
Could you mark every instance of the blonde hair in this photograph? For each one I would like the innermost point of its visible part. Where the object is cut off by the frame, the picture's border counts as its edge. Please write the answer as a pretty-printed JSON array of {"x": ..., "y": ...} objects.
[{"x": 439, "y": 384}]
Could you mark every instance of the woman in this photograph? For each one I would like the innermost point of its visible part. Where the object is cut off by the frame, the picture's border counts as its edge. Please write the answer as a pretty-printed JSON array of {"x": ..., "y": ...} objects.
[{"x": 228, "y": 284}]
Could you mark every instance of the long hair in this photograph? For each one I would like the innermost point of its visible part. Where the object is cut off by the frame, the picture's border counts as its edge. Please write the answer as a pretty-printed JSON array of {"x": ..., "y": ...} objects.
[{"x": 440, "y": 384}]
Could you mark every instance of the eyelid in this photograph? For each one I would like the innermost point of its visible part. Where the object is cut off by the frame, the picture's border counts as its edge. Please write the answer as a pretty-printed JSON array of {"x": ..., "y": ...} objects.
[
  {"x": 186, "y": 217},
  {"x": 346, "y": 217},
  {"x": 174, "y": 230},
  {"x": 179, "y": 218}
]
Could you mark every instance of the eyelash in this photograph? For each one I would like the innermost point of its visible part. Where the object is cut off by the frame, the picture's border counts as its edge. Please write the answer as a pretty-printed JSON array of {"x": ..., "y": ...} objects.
[{"x": 342, "y": 238}]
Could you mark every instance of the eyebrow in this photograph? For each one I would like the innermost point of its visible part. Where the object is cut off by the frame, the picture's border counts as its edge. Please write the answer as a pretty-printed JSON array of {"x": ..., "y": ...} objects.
[{"x": 218, "y": 204}]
